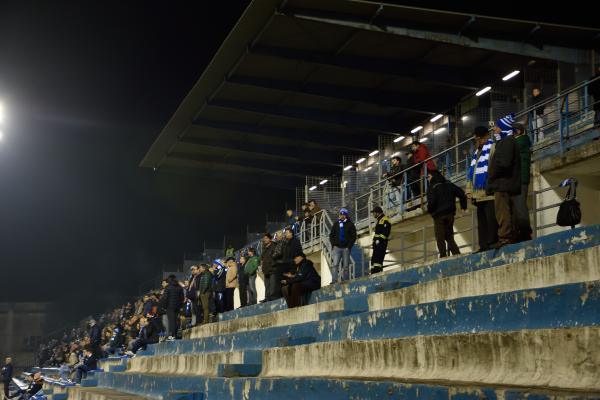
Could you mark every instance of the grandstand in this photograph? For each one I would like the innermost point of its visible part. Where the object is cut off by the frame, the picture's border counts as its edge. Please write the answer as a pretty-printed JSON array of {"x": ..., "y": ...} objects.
[{"x": 297, "y": 95}]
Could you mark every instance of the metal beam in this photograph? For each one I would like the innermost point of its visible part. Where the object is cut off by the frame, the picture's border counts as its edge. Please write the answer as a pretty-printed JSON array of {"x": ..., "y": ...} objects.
[
  {"x": 412, "y": 103},
  {"x": 191, "y": 161},
  {"x": 344, "y": 119},
  {"x": 240, "y": 132},
  {"x": 439, "y": 75},
  {"x": 418, "y": 30},
  {"x": 197, "y": 145}
]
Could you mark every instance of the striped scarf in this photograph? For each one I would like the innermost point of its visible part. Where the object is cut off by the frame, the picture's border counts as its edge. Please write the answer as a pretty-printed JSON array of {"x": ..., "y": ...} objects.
[{"x": 479, "y": 166}]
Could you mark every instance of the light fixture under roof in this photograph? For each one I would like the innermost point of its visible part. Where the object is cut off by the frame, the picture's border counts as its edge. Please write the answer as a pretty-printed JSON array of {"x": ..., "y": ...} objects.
[
  {"x": 396, "y": 154},
  {"x": 511, "y": 75},
  {"x": 371, "y": 154},
  {"x": 366, "y": 169},
  {"x": 360, "y": 160},
  {"x": 348, "y": 168},
  {"x": 417, "y": 129},
  {"x": 483, "y": 91},
  {"x": 436, "y": 117},
  {"x": 439, "y": 130},
  {"x": 312, "y": 188},
  {"x": 422, "y": 140},
  {"x": 399, "y": 138},
  {"x": 324, "y": 181}
]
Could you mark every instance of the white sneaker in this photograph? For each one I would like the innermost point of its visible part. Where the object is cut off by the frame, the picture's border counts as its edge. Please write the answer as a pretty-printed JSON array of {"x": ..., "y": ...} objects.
[{"x": 170, "y": 339}]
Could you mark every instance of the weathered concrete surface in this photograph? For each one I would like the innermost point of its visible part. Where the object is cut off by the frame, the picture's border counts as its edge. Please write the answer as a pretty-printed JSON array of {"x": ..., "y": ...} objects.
[
  {"x": 330, "y": 389},
  {"x": 549, "y": 358},
  {"x": 577, "y": 266},
  {"x": 185, "y": 364},
  {"x": 79, "y": 393},
  {"x": 278, "y": 318}
]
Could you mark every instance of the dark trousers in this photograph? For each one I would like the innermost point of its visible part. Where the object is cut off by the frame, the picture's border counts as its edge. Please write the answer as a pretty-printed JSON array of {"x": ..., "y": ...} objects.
[
  {"x": 80, "y": 373},
  {"x": 268, "y": 288},
  {"x": 295, "y": 294},
  {"x": 443, "y": 227},
  {"x": 504, "y": 216},
  {"x": 521, "y": 214},
  {"x": 6, "y": 384},
  {"x": 243, "y": 282},
  {"x": 173, "y": 321},
  {"x": 219, "y": 302},
  {"x": 487, "y": 227},
  {"x": 139, "y": 344},
  {"x": 229, "y": 292},
  {"x": 205, "y": 300},
  {"x": 379, "y": 250}
]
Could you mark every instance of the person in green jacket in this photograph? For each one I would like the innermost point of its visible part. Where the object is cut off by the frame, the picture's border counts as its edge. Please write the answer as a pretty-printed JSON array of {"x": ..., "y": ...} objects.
[
  {"x": 520, "y": 209},
  {"x": 250, "y": 270},
  {"x": 205, "y": 291}
]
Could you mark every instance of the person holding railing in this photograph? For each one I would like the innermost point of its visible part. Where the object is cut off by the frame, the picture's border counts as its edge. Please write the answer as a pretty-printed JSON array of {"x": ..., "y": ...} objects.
[
  {"x": 395, "y": 181},
  {"x": 441, "y": 204},
  {"x": 383, "y": 228},
  {"x": 477, "y": 179},
  {"x": 504, "y": 180},
  {"x": 420, "y": 153},
  {"x": 342, "y": 237},
  {"x": 537, "y": 115}
]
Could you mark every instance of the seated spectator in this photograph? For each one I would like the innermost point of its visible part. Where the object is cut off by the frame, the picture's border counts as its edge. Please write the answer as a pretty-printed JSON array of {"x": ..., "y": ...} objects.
[
  {"x": 231, "y": 283},
  {"x": 115, "y": 341},
  {"x": 250, "y": 270},
  {"x": 441, "y": 204},
  {"x": 300, "y": 283},
  {"x": 88, "y": 364},
  {"x": 147, "y": 334},
  {"x": 34, "y": 387}
]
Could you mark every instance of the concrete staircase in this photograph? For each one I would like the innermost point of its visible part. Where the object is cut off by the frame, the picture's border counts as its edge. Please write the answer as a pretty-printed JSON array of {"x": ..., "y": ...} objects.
[{"x": 522, "y": 322}]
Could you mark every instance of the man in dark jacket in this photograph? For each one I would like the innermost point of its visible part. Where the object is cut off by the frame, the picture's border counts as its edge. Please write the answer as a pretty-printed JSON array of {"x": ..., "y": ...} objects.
[
  {"x": 219, "y": 286},
  {"x": 171, "y": 302},
  {"x": 381, "y": 236},
  {"x": 205, "y": 291},
  {"x": 504, "y": 178},
  {"x": 191, "y": 293},
  {"x": 441, "y": 204},
  {"x": 7, "y": 374},
  {"x": 148, "y": 334},
  {"x": 342, "y": 237},
  {"x": 395, "y": 180},
  {"x": 519, "y": 201},
  {"x": 95, "y": 335},
  {"x": 300, "y": 283},
  {"x": 89, "y": 363},
  {"x": 284, "y": 261},
  {"x": 267, "y": 264}
]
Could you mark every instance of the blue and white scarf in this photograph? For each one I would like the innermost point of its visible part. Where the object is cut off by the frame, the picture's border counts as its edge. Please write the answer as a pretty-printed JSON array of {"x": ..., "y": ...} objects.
[{"x": 479, "y": 166}]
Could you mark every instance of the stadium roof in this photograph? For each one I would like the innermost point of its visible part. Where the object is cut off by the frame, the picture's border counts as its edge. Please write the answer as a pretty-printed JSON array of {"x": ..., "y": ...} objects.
[{"x": 298, "y": 83}]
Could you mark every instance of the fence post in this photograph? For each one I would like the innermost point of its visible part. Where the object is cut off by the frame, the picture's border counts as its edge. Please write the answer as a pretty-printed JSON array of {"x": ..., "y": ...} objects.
[
  {"x": 424, "y": 245},
  {"x": 474, "y": 227},
  {"x": 560, "y": 124},
  {"x": 534, "y": 206}
]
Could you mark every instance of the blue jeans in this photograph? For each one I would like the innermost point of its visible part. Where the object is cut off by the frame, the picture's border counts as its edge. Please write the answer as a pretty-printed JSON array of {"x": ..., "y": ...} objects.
[{"x": 341, "y": 264}]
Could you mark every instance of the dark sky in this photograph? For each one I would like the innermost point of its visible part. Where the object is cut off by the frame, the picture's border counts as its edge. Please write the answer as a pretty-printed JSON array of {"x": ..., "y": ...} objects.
[{"x": 87, "y": 86}]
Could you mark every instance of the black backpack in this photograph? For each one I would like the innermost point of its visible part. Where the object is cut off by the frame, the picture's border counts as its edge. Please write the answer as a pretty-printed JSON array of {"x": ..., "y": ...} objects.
[{"x": 569, "y": 212}]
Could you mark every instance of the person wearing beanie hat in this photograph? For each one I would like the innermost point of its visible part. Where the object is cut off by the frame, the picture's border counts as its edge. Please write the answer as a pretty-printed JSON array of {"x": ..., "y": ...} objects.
[
  {"x": 477, "y": 177},
  {"x": 504, "y": 178},
  {"x": 383, "y": 228},
  {"x": 342, "y": 237}
]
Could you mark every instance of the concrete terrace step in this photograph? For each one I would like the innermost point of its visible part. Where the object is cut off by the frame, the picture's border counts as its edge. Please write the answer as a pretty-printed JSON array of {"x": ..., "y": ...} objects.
[
  {"x": 330, "y": 389},
  {"x": 557, "y": 243},
  {"x": 577, "y": 266},
  {"x": 545, "y": 358},
  {"x": 284, "y": 317},
  {"x": 80, "y": 393}
]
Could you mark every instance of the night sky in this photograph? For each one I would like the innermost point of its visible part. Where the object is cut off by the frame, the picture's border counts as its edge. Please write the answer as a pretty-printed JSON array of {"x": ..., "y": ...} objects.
[{"x": 87, "y": 87}]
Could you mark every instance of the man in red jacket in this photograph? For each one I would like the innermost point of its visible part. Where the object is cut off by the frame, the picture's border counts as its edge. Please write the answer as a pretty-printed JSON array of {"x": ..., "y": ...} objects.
[{"x": 420, "y": 154}]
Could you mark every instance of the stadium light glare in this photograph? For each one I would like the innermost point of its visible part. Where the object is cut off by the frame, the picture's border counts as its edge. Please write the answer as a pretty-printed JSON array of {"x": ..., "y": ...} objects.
[
  {"x": 422, "y": 140},
  {"x": 349, "y": 167},
  {"x": 483, "y": 91},
  {"x": 439, "y": 130},
  {"x": 1, "y": 113},
  {"x": 360, "y": 160},
  {"x": 399, "y": 138},
  {"x": 417, "y": 129},
  {"x": 324, "y": 181},
  {"x": 396, "y": 154},
  {"x": 366, "y": 169},
  {"x": 312, "y": 188},
  {"x": 371, "y": 154},
  {"x": 436, "y": 117},
  {"x": 511, "y": 75},
  {"x": 465, "y": 118},
  {"x": 1, "y": 135}
]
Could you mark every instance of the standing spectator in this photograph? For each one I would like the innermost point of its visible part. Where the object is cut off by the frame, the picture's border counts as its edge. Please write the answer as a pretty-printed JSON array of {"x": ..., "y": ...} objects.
[
  {"x": 242, "y": 282},
  {"x": 148, "y": 334},
  {"x": 89, "y": 364},
  {"x": 420, "y": 154},
  {"x": 219, "y": 286},
  {"x": 291, "y": 220},
  {"x": 205, "y": 292},
  {"x": 300, "y": 283},
  {"x": 594, "y": 91},
  {"x": 538, "y": 114},
  {"x": 383, "y": 229},
  {"x": 394, "y": 180},
  {"x": 267, "y": 265},
  {"x": 519, "y": 201},
  {"x": 229, "y": 251},
  {"x": 441, "y": 204},
  {"x": 283, "y": 257},
  {"x": 95, "y": 335},
  {"x": 7, "y": 375},
  {"x": 171, "y": 301},
  {"x": 342, "y": 237},
  {"x": 231, "y": 283},
  {"x": 477, "y": 180},
  {"x": 504, "y": 178},
  {"x": 314, "y": 208},
  {"x": 315, "y": 218},
  {"x": 250, "y": 270},
  {"x": 191, "y": 293}
]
